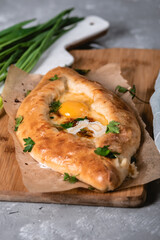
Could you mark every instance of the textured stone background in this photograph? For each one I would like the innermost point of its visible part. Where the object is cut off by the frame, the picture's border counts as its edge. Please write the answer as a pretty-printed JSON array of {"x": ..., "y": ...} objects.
[{"x": 135, "y": 24}]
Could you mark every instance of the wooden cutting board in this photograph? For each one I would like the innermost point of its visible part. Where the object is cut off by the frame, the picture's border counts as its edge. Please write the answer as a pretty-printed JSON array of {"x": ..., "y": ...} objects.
[{"x": 139, "y": 67}]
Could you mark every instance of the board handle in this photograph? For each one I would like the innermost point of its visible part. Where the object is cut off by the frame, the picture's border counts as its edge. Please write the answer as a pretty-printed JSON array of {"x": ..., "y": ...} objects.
[{"x": 57, "y": 55}]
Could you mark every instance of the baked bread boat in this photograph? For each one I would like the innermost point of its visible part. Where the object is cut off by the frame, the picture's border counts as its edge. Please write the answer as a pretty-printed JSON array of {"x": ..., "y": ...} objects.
[{"x": 75, "y": 126}]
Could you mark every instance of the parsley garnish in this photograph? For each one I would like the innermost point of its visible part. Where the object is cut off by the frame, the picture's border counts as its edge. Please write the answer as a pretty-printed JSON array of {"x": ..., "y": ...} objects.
[
  {"x": 132, "y": 91},
  {"x": 27, "y": 93},
  {"x": 104, "y": 151},
  {"x": 51, "y": 117},
  {"x": 113, "y": 127},
  {"x": 91, "y": 188},
  {"x": 82, "y": 71},
  {"x": 80, "y": 119},
  {"x": 121, "y": 89},
  {"x": 54, "y": 106},
  {"x": 71, "y": 179},
  {"x": 18, "y": 121},
  {"x": 72, "y": 123},
  {"x": 54, "y": 78},
  {"x": 67, "y": 125},
  {"x": 29, "y": 143}
]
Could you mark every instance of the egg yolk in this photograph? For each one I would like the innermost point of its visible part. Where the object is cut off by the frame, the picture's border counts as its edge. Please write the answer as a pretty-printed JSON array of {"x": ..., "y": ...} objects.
[{"x": 73, "y": 109}]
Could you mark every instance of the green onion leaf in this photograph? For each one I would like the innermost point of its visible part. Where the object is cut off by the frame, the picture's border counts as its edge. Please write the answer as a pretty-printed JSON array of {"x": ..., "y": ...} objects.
[
  {"x": 15, "y": 27},
  {"x": 12, "y": 59},
  {"x": 24, "y": 46}
]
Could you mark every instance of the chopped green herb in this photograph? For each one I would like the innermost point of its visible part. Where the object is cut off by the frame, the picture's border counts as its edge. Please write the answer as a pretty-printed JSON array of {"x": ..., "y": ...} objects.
[
  {"x": 18, "y": 121},
  {"x": 70, "y": 179},
  {"x": 82, "y": 71},
  {"x": 80, "y": 119},
  {"x": 51, "y": 117},
  {"x": 54, "y": 78},
  {"x": 112, "y": 127},
  {"x": 91, "y": 188},
  {"x": 104, "y": 151},
  {"x": 54, "y": 106},
  {"x": 121, "y": 89},
  {"x": 132, "y": 91},
  {"x": 29, "y": 143},
  {"x": 67, "y": 125},
  {"x": 27, "y": 93},
  {"x": 72, "y": 123}
]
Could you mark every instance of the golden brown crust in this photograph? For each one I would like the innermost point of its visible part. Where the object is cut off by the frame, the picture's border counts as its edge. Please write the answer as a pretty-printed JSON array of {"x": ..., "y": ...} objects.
[{"x": 65, "y": 152}]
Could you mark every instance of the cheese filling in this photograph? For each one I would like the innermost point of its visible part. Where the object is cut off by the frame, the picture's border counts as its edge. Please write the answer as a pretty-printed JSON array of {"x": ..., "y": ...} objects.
[{"x": 96, "y": 127}]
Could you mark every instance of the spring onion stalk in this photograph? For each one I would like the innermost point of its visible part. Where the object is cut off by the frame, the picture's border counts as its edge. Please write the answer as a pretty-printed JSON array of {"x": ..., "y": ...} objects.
[
  {"x": 24, "y": 46},
  {"x": 14, "y": 27}
]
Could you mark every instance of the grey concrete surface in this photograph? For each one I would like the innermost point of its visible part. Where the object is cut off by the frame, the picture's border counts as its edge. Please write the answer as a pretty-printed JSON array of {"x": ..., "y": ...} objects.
[{"x": 135, "y": 24}]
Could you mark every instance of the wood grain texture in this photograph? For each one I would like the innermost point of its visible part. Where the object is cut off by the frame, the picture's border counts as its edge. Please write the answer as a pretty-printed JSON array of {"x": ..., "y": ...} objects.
[{"x": 139, "y": 67}]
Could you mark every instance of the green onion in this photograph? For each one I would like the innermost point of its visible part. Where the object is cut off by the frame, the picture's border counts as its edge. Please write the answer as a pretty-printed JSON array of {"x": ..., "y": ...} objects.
[
  {"x": 24, "y": 46},
  {"x": 14, "y": 27},
  {"x": 3, "y": 71}
]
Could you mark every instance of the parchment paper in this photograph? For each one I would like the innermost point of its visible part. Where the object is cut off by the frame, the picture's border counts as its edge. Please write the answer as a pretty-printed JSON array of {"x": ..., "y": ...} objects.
[
  {"x": 37, "y": 179},
  {"x": 147, "y": 157}
]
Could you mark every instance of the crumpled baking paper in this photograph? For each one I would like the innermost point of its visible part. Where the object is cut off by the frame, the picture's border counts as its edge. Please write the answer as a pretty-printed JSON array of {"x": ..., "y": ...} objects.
[{"x": 38, "y": 179}]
